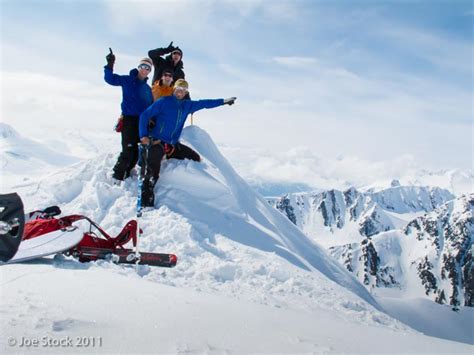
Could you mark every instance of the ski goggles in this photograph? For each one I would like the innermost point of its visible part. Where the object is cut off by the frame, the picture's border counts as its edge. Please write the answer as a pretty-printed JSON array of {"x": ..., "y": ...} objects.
[{"x": 144, "y": 67}]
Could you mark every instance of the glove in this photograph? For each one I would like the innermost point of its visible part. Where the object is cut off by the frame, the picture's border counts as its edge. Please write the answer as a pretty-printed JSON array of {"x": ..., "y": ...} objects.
[
  {"x": 119, "y": 125},
  {"x": 170, "y": 47},
  {"x": 230, "y": 101},
  {"x": 110, "y": 59}
]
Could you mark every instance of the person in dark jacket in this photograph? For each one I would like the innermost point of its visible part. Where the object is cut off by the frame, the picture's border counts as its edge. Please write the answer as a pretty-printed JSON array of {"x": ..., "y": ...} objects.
[
  {"x": 136, "y": 97},
  {"x": 168, "y": 115},
  {"x": 173, "y": 62}
]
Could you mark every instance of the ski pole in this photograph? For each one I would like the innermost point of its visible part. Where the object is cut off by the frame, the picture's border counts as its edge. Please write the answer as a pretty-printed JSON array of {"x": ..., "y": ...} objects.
[{"x": 141, "y": 177}]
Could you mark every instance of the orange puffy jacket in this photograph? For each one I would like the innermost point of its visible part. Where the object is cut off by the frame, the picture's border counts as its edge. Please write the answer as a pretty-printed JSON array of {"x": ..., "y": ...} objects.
[{"x": 158, "y": 91}]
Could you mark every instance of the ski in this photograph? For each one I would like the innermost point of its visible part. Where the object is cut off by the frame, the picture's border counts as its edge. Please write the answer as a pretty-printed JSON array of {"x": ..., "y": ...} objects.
[{"x": 124, "y": 256}]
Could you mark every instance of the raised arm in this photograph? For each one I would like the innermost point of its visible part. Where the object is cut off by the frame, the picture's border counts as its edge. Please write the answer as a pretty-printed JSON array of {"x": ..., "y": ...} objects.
[
  {"x": 109, "y": 76},
  {"x": 113, "y": 79},
  {"x": 210, "y": 103},
  {"x": 155, "y": 54},
  {"x": 200, "y": 104}
]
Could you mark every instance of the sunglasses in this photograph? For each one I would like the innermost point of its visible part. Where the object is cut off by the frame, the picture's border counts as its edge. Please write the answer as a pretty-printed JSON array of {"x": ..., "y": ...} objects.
[
  {"x": 144, "y": 67},
  {"x": 170, "y": 75},
  {"x": 180, "y": 88},
  {"x": 179, "y": 53}
]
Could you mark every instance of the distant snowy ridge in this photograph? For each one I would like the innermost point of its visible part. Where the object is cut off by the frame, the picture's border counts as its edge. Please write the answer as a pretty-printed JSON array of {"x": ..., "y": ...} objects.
[
  {"x": 334, "y": 217},
  {"x": 431, "y": 257},
  {"x": 372, "y": 234},
  {"x": 21, "y": 155}
]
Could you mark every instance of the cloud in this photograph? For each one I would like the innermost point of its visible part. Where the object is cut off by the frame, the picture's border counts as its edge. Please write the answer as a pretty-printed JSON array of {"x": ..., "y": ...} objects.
[
  {"x": 51, "y": 103},
  {"x": 165, "y": 16},
  {"x": 347, "y": 92},
  {"x": 295, "y": 61},
  {"x": 302, "y": 165},
  {"x": 194, "y": 17}
]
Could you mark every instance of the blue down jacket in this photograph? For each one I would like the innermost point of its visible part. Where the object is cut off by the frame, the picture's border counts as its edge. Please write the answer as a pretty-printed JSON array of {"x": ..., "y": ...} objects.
[
  {"x": 169, "y": 115},
  {"x": 136, "y": 94}
]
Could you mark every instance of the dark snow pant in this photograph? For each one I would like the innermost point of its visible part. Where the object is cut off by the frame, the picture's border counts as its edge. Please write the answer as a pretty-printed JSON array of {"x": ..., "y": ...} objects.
[
  {"x": 151, "y": 164},
  {"x": 129, "y": 156}
]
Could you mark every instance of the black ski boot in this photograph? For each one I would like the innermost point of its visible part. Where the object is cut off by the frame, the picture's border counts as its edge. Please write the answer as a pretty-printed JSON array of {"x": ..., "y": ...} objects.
[{"x": 148, "y": 194}]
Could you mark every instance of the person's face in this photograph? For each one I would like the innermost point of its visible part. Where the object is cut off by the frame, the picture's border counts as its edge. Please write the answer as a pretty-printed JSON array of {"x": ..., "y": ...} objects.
[
  {"x": 180, "y": 93},
  {"x": 144, "y": 70},
  {"x": 176, "y": 56},
  {"x": 167, "y": 78}
]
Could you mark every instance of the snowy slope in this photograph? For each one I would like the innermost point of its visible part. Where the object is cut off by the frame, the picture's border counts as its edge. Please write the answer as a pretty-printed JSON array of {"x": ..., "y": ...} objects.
[
  {"x": 21, "y": 157},
  {"x": 126, "y": 313},
  {"x": 247, "y": 278},
  {"x": 210, "y": 198},
  {"x": 20, "y": 154}
]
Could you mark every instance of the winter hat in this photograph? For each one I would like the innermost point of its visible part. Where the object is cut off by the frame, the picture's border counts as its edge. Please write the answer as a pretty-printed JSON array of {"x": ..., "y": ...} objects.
[
  {"x": 146, "y": 61},
  {"x": 181, "y": 83}
]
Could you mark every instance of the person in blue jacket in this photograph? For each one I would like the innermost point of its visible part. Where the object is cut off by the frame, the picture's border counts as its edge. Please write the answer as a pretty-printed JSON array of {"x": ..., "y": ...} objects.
[
  {"x": 136, "y": 97},
  {"x": 166, "y": 117}
]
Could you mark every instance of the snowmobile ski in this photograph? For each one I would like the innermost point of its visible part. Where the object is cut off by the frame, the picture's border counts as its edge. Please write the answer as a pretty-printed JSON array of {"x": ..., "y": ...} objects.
[{"x": 48, "y": 244}]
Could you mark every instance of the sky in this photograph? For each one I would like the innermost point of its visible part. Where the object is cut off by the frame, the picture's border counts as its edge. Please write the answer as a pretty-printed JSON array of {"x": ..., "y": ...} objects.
[{"x": 377, "y": 81}]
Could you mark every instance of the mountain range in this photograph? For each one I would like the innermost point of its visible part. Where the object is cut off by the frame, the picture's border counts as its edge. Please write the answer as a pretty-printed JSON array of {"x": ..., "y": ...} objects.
[{"x": 414, "y": 240}]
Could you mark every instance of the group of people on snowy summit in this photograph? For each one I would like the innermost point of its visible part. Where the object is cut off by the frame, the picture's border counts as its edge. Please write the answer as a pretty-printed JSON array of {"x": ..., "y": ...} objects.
[{"x": 153, "y": 117}]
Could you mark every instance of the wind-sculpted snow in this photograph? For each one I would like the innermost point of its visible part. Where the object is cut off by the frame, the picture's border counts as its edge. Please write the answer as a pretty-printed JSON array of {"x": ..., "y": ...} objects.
[
  {"x": 21, "y": 155},
  {"x": 227, "y": 238}
]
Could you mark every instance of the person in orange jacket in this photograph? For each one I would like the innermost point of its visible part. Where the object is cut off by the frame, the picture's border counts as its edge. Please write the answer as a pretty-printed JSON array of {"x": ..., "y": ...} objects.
[{"x": 163, "y": 86}]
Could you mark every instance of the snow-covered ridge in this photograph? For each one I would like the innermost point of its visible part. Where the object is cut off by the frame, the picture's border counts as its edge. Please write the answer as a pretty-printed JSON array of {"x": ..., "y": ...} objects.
[
  {"x": 228, "y": 239},
  {"x": 431, "y": 257},
  {"x": 414, "y": 239},
  {"x": 333, "y": 217}
]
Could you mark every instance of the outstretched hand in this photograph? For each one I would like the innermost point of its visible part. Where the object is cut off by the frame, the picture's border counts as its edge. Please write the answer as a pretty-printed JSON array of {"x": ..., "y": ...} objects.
[
  {"x": 145, "y": 140},
  {"x": 230, "y": 100}
]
